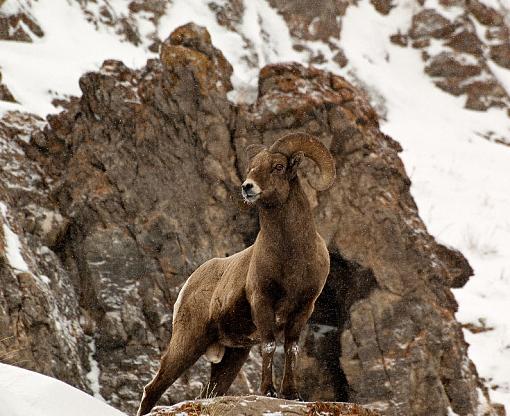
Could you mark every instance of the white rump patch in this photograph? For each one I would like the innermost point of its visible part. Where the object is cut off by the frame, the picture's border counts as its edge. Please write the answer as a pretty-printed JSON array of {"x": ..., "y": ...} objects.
[
  {"x": 214, "y": 353},
  {"x": 177, "y": 303},
  {"x": 139, "y": 411}
]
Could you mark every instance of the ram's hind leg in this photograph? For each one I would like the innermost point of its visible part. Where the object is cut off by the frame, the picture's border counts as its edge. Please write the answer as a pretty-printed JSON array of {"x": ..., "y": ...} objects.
[
  {"x": 224, "y": 373},
  {"x": 179, "y": 356}
]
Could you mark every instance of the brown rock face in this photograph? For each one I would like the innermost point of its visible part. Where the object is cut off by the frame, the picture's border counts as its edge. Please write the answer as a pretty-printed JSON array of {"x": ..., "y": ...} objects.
[
  {"x": 456, "y": 77},
  {"x": 19, "y": 27},
  {"x": 429, "y": 23},
  {"x": 501, "y": 54},
  {"x": 467, "y": 42},
  {"x": 5, "y": 94},
  {"x": 398, "y": 313},
  {"x": 141, "y": 221},
  {"x": 39, "y": 314},
  {"x": 484, "y": 14},
  {"x": 144, "y": 171},
  {"x": 446, "y": 66},
  {"x": 382, "y": 6},
  {"x": 314, "y": 21}
]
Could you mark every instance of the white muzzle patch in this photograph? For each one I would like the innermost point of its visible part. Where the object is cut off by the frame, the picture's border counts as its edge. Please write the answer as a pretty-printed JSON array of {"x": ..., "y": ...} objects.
[{"x": 250, "y": 191}]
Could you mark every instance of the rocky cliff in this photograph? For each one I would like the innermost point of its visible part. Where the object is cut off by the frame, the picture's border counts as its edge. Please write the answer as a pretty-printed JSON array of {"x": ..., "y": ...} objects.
[{"x": 116, "y": 200}]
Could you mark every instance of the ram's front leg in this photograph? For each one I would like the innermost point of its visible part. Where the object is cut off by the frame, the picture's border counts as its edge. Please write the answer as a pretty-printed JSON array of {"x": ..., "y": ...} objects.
[
  {"x": 264, "y": 319},
  {"x": 292, "y": 332}
]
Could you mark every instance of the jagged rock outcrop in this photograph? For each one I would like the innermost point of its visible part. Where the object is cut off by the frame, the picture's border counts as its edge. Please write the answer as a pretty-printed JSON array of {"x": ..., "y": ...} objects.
[
  {"x": 140, "y": 184},
  {"x": 20, "y": 25},
  {"x": 148, "y": 190}
]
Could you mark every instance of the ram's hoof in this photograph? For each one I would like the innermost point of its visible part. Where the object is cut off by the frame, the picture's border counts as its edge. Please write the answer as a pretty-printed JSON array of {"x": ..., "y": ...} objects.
[
  {"x": 292, "y": 396},
  {"x": 270, "y": 392}
]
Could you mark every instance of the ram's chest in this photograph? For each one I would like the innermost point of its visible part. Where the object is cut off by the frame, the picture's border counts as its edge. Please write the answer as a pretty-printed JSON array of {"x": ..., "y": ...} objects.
[
  {"x": 294, "y": 279},
  {"x": 294, "y": 270}
]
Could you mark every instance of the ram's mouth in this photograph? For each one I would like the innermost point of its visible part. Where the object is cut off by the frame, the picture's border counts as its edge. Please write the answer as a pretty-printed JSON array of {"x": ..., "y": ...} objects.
[{"x": 250, "y": 197}]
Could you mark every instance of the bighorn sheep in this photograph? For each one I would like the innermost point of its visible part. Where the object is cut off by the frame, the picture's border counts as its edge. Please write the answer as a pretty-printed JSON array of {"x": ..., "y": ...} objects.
[{"x": 230, "y": 304}]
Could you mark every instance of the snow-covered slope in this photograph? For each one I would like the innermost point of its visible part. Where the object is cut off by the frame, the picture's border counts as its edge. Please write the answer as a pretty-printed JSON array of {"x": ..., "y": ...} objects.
[
  {"x": 51, "y": 66},
  {"x": 25, "y": 393},
  {"x": 460, "y": 180}
]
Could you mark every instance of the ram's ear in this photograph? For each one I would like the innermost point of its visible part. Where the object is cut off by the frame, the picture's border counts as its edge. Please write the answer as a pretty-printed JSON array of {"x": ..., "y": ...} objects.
[
  {"x": 294, "y": 162},
  {"x": 254, "y": 149}
]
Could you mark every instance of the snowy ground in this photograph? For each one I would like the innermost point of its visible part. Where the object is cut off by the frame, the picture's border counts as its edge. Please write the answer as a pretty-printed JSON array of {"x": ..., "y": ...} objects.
[
  {"x": 25, "y": 393},
  {"x": 460, "y": 180}
]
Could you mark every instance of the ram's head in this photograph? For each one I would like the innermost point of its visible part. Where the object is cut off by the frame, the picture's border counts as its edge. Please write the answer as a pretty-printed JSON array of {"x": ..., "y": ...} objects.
[{"x": 271, "y": 171}]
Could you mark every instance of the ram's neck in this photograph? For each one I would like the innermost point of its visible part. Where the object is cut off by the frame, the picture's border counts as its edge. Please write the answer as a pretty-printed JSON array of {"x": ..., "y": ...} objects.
[{"x": 288, "y": 227}]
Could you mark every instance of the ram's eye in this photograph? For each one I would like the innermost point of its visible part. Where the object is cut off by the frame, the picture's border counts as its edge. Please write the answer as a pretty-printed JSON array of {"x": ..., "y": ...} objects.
[{"x": 279, "y": 167}]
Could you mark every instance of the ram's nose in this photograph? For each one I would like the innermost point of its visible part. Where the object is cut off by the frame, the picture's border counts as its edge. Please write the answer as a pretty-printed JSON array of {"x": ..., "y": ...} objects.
[
  {"x": 250, "y": 190},
  {"x": 247, "y": 186}
]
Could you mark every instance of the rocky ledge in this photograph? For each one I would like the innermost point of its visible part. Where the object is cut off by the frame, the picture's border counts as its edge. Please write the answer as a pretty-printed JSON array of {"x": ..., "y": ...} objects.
[{"x": 260, "y": 405}]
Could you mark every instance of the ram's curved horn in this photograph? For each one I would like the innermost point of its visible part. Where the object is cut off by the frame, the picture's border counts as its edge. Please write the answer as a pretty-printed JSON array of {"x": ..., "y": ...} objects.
[
  {"x": 313, "y": 149},
  {"x": 253, "y": 149}
]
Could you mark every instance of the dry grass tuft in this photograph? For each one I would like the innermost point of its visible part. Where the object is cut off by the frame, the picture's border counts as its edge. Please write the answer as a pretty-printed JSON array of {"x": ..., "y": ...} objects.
[
  {"x": 8, "y": 355},
  {"x": 337, "y": 409}
]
